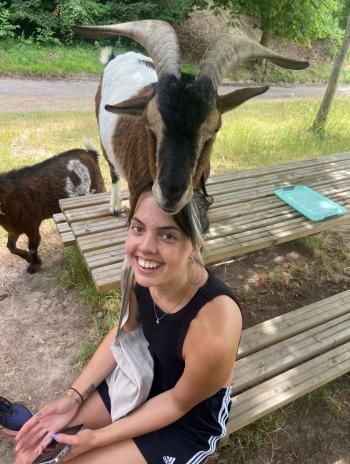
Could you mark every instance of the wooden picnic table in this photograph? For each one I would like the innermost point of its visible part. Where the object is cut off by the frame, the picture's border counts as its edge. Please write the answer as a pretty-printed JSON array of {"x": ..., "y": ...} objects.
[{"x": 246, "y": 215}]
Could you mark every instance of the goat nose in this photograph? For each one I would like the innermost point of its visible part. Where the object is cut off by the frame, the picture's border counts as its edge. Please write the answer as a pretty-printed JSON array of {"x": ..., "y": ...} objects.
[{"x": 173, "y": 192}]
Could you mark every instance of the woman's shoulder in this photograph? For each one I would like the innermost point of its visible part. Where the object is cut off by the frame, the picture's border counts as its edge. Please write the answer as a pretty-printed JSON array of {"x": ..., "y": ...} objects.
[
  {"x": 219, "y": 323},
  {"x": 221, "y": 312}
]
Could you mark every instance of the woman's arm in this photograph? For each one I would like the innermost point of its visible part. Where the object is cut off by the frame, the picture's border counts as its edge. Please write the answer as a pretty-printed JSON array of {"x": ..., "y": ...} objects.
[
  {"x": 97, "y": 369},
  {"x": 59, "y": 413},
  {"x": 209, "y": 350}
]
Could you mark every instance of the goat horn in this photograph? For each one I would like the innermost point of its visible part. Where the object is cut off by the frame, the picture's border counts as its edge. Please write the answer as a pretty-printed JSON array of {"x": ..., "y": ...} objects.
[
  {"x": 157, "y": 37},
  {"x": 232, "y": 48}
]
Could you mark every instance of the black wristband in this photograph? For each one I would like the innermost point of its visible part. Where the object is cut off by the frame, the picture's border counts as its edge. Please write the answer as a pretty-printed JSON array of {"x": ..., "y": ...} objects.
[{"x": 78, "y": 393}]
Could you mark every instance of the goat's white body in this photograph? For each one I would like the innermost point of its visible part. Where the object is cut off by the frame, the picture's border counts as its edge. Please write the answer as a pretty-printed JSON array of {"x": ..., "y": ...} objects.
[{"x": 123, "y": 77}]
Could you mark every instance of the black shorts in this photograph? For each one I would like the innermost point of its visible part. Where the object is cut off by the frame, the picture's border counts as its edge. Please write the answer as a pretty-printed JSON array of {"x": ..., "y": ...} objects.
[{"x": 180, "y": 443}]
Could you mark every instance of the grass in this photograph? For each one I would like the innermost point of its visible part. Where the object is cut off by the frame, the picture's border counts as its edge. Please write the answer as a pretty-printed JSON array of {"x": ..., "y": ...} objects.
[
  {"x": 25, "y": 58},
  {"x": 260, "y": 133},
  {"x": 35, "y": 60},
  {"x": 28, "y": 138},
  {"x": 322, "y": 251},
  {"x": 263, "y": 133},
  {"x": 314, "y": 74}
]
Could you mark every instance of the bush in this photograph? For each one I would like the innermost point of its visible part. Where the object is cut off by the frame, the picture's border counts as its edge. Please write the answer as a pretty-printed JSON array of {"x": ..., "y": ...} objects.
[
  {"x": 7, "y": 29},
  {"x": 51, "y": 21},
  {"x": 71, "y": 12}
]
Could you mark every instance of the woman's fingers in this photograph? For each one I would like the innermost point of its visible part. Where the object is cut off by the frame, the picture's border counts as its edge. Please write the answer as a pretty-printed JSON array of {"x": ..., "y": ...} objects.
[
  {"x": 33, "y": 421},
  {"x": 72, "y": 440},
  {"x": 27, "y": 458},
  {"x": 44, "y": 443},
  {"x": 36, "y": 434}
]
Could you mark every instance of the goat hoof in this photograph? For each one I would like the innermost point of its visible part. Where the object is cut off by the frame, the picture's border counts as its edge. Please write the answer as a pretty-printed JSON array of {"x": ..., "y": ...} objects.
[
  {"x": 33, "y": 268},
  {"x": 115, "y": 211}
]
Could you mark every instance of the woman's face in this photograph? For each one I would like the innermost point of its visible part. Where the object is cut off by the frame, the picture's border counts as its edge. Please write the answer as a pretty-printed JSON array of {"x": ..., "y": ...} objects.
[{"x": 156, "y": 247}]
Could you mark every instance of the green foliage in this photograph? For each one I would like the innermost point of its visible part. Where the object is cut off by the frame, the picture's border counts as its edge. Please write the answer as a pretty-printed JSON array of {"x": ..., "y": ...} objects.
[
  {"x": 71, "y": 12},
  {"x": 7, "y": 29},
  {"x": 51, "y": 21},
  {"x": 175, "y": 12},
  {"x": 296, "y": 20},
  {"x": 344, "y": 11},
  {"x": 122, "y": 11}
]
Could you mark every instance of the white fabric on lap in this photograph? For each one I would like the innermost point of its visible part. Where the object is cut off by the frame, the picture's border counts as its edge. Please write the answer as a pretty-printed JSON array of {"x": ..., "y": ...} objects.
[{"x": 130, "y": 382}]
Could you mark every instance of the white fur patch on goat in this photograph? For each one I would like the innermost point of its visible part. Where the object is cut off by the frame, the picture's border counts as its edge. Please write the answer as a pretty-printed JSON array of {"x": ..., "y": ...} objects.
[
  {"x": 83, "y": 188},
  {"x": 123, "y": 78}
]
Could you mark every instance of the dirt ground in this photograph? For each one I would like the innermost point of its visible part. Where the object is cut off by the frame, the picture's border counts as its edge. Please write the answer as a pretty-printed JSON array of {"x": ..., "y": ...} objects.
[{"x": 43, "y": 326}]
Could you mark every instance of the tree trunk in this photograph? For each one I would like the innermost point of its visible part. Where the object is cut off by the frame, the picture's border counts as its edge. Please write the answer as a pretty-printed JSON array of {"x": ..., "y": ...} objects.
[
  {"x": 266, "y": 42},
  {"x": 318, "y": 125}
]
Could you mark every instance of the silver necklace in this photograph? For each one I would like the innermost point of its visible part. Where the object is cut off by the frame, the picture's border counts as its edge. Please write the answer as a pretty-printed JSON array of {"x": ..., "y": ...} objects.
[{"x": 188, "y": 285}]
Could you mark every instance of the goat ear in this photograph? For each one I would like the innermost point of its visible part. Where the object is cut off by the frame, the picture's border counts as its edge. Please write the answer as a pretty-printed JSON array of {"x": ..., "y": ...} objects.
[
  {"x": 134, "y": 106},
  {"x": 233, "y": 99}
]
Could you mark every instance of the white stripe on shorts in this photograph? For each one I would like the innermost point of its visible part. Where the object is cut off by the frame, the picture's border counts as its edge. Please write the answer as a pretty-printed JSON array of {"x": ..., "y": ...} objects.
[{"x": 223, "y": 414}]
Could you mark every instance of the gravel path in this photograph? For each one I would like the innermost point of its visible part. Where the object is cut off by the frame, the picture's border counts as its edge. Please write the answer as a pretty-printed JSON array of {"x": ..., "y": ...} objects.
[{"x": 78, "y": 95}]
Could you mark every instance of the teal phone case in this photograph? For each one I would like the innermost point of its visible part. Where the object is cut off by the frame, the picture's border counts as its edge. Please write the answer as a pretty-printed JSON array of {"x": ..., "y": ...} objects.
[{"x": 310, "y": 203}]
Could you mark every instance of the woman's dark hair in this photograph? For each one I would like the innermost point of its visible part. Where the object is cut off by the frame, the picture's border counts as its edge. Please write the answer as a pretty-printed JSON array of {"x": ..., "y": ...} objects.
[{"x": 191, "y": 219}]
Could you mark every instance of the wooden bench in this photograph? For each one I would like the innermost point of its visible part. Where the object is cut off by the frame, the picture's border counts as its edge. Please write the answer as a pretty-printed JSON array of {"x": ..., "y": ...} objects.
[
  {"x": 284, "y": 358},
  {"x": 246, "y": 215}
]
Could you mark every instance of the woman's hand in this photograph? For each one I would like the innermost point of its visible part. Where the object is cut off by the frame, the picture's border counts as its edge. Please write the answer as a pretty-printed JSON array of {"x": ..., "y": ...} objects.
[
  {"x": 51, "y": 419},
  {"x": 82, "y": 442},
  {"x": 27, "y": 457}
]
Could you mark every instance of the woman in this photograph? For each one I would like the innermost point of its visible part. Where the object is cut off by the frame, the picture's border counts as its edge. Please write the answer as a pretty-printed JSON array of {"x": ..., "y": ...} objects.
[{"x": 193, "y": 326}]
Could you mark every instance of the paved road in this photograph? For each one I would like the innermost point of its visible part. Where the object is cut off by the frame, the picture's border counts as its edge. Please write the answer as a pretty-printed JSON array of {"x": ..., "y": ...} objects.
[{"x": 56, "y": 95}]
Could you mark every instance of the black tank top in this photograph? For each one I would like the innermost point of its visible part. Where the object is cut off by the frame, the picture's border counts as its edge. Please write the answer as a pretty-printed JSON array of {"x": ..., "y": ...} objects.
[{"x": 166, "y": 339}]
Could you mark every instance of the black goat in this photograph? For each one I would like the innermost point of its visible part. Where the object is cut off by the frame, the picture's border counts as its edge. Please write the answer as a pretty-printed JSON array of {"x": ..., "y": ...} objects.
[{"x": 31, "y": 194}]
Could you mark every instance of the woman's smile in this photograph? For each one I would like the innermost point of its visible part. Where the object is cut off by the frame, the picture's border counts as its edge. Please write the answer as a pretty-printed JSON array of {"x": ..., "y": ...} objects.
[{"x": 147, "y": 264}]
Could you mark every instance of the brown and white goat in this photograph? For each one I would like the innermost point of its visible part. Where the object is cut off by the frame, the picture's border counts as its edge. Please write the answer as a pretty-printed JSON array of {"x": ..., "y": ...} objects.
[
  {"x": 31, "y": 194},
  {"x": 174, "y": 116}
]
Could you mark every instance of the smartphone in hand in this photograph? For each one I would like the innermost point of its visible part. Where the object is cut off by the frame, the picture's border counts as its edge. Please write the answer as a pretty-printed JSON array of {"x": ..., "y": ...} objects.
[{"x": 56, "y": 451}]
